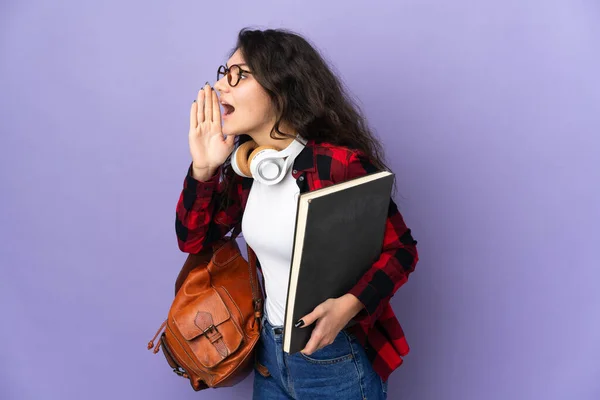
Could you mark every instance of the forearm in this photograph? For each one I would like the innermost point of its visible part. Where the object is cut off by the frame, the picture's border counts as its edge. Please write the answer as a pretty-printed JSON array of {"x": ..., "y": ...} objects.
[{"x": 196, "y": 212}]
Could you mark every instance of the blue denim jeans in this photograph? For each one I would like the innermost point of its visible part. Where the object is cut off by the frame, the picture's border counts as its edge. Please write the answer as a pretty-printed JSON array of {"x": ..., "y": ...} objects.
[{"x": 338, "y": 371}]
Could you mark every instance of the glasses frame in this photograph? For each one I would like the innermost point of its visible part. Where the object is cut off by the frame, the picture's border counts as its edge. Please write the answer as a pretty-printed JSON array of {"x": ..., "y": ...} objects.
[{"x": 223, "y": 71}]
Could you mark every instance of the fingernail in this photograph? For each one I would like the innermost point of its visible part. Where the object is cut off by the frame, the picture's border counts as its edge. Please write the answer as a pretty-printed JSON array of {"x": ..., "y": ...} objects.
[
  {"x": 299, "y": 323},
  {"x": 194, "y": 101},
  {"x": 206, "y": 84}
]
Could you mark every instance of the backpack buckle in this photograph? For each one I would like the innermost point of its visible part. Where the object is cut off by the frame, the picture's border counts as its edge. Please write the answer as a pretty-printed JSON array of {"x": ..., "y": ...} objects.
[{"x": 208, "y": 330}]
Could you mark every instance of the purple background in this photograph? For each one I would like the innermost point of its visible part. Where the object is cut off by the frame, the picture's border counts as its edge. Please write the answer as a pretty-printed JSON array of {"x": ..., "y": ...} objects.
[{"x": 490, "y": 114}]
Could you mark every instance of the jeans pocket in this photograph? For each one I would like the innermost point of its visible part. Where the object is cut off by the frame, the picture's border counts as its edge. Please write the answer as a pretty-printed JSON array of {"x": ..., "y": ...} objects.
[{"x": 338, "y": 351}]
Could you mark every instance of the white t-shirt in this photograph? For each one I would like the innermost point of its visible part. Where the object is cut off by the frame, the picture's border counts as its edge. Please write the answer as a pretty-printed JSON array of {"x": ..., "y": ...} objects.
[{"x": 268, "y": 227}]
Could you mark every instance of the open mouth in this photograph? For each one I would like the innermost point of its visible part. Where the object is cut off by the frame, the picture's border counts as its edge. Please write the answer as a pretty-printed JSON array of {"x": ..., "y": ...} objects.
[{"x": 227, "y": 109}]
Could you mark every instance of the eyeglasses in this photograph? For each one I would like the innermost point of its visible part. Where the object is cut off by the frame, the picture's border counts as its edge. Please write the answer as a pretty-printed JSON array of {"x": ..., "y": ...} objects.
[{"x": 234, "y": 74}]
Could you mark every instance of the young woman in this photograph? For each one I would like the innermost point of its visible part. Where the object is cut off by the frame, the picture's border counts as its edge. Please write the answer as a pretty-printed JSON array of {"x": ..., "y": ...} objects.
[{"x": 277, "y": 91}]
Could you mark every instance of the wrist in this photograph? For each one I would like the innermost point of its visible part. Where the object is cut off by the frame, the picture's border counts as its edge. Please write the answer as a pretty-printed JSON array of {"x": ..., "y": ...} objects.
[
  {"x": 203, "y": 173},
  {"x": 352, "y": 304}
]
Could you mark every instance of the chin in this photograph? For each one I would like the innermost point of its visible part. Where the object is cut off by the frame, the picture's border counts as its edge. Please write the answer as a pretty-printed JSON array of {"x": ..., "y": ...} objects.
[
  {"x": 227, "y": 130},
  {"x": 231, "y": 131}
]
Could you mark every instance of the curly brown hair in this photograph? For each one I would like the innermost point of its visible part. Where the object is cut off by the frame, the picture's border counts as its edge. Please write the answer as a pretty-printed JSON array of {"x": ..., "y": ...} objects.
[{"x": 306, "y": 95}]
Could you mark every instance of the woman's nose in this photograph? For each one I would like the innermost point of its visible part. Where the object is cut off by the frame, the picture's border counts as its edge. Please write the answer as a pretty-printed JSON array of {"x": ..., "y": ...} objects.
[{"x": 221, "y": 84}]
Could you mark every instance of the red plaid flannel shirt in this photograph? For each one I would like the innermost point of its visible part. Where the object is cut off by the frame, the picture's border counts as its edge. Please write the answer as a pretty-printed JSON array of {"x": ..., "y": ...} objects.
[{"x": 318, "y": 165}]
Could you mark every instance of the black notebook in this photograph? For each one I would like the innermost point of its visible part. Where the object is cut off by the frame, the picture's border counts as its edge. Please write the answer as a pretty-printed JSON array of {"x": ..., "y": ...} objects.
[{"x": 339, "y": 235}]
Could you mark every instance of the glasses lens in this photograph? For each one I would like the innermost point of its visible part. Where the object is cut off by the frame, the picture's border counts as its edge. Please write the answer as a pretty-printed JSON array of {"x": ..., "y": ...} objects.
[
  {"x": 221, "y": 72},
  {"x": 234, "y": 74}
]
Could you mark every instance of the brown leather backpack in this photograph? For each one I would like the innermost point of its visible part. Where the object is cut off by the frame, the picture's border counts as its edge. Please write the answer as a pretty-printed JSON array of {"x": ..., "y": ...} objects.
[{"x": 213, "y": 324}]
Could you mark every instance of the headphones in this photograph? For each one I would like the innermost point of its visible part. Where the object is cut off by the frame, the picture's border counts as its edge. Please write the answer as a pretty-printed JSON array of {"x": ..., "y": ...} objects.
[{"x": 266, "y": 164}]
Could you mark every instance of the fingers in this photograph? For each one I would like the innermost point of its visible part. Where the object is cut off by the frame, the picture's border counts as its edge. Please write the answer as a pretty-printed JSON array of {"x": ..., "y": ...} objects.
[
  {"x": 312, "y": 345},
  {"x": 208, "y": 104},
  {"x": 205, "y": 108},
  {"x": 308, "y": 319},
  {"x": 194, "y": 115},
  {"x": 315, "y": 338},
  {"x": 216, "y": 116},
  {"x": 230, "y": 140},
  {"x": 320, "y": 337},
  {"x": 200, "y": 106}
]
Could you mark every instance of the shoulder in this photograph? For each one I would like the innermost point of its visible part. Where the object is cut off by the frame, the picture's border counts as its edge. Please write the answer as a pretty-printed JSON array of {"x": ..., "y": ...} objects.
[{"x": 341, "y": 162}]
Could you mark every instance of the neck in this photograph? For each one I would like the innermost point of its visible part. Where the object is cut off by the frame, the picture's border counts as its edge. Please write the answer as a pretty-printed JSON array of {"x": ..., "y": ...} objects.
[{"x": 264, "y": 138}]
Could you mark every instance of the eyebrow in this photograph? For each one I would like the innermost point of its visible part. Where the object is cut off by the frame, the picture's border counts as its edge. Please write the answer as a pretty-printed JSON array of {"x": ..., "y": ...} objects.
[{"x": 236, "y": 64}]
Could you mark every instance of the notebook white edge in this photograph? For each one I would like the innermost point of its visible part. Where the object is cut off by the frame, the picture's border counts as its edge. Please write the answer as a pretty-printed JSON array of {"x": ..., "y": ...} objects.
[
  {"x": 294, "y": 272},
  {"x": 345, "y": 185}
]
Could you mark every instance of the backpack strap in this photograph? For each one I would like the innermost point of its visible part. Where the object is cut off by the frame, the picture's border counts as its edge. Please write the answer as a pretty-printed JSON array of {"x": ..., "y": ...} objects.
[
  {"x": 256, "y": 291},
  {"x": 257, "y": 297}
]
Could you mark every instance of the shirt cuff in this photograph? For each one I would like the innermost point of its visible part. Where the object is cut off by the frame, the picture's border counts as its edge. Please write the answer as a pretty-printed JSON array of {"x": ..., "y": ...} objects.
[
  {"x": 368, "y": 296},
  {"x": 192, "y": 186}
]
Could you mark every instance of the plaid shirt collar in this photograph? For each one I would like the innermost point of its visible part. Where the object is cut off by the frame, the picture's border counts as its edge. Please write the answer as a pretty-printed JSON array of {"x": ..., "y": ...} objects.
[{"x": 305, "y": 160}]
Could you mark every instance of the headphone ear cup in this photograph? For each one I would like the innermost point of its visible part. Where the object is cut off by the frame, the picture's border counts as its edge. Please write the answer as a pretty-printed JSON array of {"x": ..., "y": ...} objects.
[
  {"x": 259, "y": 149},
  {"x": 241, "y": 157},
  {"x": 255, "y": 152}
]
